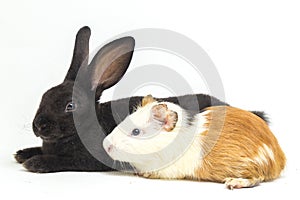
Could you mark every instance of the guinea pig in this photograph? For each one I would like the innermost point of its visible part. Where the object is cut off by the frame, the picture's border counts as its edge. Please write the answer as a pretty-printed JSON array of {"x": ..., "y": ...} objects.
[{"x": 222, "y": 144}]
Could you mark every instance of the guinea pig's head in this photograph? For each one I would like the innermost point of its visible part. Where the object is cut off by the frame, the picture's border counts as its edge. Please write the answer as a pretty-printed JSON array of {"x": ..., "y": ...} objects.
[
  {"x": 144, "y": 135},
  {"x": 82, "y": 87}
]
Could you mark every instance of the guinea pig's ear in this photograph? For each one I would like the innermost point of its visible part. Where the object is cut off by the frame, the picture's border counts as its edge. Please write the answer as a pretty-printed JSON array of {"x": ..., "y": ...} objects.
[
  {"x": 80, "y": 53},
  {"x": 110, "y": 63},
  {"x": 147, "y": 99},
  {"x": 168, "y": 118}
]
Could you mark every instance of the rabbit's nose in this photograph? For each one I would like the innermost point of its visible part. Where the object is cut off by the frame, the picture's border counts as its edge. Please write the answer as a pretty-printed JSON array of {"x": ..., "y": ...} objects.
[
  {"x": 42, "y": 127},
  {"x": 40, "y": 123}
]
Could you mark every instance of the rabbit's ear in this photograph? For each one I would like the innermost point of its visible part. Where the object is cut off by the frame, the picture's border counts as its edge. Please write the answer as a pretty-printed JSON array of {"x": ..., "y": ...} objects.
[
  {"x": 80, "y": 53},
  {"x": 111, "y": 62}
]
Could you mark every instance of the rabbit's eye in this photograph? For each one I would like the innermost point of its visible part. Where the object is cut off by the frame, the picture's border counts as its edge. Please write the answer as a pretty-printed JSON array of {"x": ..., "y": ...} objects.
[{"x": 71, "y": 106}]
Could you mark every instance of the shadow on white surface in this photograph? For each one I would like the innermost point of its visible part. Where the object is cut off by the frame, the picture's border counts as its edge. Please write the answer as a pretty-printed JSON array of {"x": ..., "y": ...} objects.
[{"x": 16, "y": 182}]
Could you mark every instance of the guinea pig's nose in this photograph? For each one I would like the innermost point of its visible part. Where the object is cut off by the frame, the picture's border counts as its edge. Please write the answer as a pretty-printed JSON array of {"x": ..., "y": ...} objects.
[{"x": 110, "y": 148}]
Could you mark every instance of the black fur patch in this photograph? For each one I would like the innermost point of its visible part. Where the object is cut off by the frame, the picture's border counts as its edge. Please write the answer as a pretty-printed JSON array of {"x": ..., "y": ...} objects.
[{"x": 262, "y": 115}]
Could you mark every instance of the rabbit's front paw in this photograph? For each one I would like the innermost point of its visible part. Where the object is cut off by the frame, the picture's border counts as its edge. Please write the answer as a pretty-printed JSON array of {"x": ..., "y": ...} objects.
[
  {"x": 38, "y": 164},
  {"x": 22, "y": 155}
]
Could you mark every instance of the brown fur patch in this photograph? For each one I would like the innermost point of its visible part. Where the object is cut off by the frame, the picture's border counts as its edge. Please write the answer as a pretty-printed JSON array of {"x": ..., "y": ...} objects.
[
  {"x": 232, "y": 144},
  {"x": 147, "y": 99}
]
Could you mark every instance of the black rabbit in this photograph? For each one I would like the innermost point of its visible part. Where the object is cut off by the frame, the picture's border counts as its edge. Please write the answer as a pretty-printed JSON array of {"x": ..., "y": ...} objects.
[{"x": 62, "y": 148}]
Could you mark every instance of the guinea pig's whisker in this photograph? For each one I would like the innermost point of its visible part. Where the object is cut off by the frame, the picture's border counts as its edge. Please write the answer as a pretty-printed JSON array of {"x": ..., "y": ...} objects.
[
  {"x": 114, "y": 164},
  {"x": 135, "y": 172},
  {"x": 123, "y": 166},
  {"x": 119, "y": 118}
]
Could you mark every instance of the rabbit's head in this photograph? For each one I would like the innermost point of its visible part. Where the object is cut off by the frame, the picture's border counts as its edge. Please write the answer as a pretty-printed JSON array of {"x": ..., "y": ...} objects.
[{"x": 54, "y": 118}]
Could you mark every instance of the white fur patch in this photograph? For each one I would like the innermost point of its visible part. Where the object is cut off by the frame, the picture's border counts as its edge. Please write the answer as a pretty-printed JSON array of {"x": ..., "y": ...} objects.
[
  {"x": 264, "y": 154},
  {"x": 174, "y": 154},
  {"x": 191, "y": 159}
]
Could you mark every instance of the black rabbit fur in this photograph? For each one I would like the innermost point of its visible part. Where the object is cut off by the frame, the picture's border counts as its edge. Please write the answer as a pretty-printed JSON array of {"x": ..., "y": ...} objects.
[{"x": 62, "y": 148}]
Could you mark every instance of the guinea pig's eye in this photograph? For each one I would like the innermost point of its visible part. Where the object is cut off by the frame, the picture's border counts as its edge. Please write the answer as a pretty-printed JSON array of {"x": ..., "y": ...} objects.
[
  {"x": 70, "y": 107},
  {"x": 135, "y": 132}
]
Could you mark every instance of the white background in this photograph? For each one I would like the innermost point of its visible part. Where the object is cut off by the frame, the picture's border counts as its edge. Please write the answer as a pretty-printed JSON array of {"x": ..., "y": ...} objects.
[{"x": 255, "y": 46}]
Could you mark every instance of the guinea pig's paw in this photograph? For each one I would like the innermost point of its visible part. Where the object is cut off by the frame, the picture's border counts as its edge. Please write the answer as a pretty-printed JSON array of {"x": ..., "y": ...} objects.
[
  {"x": 148, "y": 175},
  {"x": 37, "y": 164},
  {"x": 236, "y": 183},
  {"x": 141, "y": 174}
]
